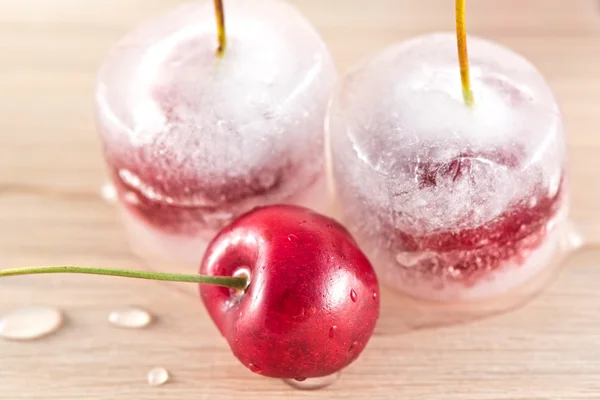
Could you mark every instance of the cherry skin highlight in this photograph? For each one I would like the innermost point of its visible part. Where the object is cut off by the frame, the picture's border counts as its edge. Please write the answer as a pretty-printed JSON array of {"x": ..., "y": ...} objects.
[{"x": 313, "y": 297}]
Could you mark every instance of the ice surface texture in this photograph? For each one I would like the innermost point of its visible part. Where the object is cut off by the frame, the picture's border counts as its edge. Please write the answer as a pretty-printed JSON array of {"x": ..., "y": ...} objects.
[
  {"x": 191, "y": 139},
  {"x": 441, "y": 195}
]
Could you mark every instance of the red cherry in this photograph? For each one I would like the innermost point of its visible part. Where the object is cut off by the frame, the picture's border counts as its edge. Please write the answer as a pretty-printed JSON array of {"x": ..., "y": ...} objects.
[{"x": 313, "y": 298}]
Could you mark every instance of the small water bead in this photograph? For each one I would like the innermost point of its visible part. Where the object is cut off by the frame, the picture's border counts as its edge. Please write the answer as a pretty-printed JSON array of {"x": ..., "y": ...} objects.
[
  {"x": 255, "y": 368},
  {"x": 292, "y": 237},
  {"x": 108, "y": 193},
  {"x": 352, "y": 347},
  {"x": 374, "y": 295},
  {"x": 573, "y": 239},
  {"x": 313, "y": 383},
  {"x": 130, "y": 317},
  {"x": 353, "y": 295},
  {"x": 157, "y": 376},
  {"x": 30, "y": 323},
  {"x": 332, "y": 331}
]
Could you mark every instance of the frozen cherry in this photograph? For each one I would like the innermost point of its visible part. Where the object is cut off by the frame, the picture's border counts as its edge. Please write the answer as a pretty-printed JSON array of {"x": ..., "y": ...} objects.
[
  {"x": 455, "y": 190},
  {"x": 197, "y": 131},
  {"x": 312, "y": 301},
  {"x": 287, "y": 287}
]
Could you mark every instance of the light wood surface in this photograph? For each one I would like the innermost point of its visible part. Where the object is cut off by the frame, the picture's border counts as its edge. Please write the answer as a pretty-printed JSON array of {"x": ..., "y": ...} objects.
[{"x": 50, "y": 212}]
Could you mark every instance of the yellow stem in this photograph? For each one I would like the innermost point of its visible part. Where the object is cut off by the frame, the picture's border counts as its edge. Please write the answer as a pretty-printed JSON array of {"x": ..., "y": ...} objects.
[
  {"x": 220, "y": 16},
  {"x": 463, "y": 57}
]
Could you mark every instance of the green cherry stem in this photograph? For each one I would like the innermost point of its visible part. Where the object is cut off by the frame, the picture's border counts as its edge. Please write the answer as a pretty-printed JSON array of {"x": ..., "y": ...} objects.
[
  {"x": 463, "y": 57},
  {"x": 222, "y": 37},
  {"x": 238, "y": 283}
]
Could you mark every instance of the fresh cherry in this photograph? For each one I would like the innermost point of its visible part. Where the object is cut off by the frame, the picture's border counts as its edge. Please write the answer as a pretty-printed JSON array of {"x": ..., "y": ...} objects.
[{"x": 312, "y": 300}]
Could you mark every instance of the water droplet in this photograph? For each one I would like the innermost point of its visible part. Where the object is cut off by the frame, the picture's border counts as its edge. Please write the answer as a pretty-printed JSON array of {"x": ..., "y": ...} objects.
[
  {"x": 353, "y": 295},
  {"x": 352, "y": 347},
  {"x": 374, "y": 295},
  {"x": 157, "y": 376},
  {"x": 130, "y": 317},
  {"x": 31, "y": 322},
  {"x": 313, "y": 383},
  {"x": 332, "y": 331},
  {"x": 108, "y": 193},
  {"x": 292, "y": 237},
  {"x": 255, "y": 368},
  {"x": 573, "y": 238}
]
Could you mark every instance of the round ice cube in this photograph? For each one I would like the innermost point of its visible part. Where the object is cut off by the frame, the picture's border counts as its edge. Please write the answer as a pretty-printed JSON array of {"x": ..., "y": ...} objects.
[
  {"x": 193, "y": 140},
  {"x": 450, "y": 202}
]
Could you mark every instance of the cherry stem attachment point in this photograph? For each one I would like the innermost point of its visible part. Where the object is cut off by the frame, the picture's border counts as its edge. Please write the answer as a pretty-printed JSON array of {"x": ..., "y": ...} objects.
[
  {"x": 463, "y": 57},
  {"x": 238, "y": 283},
  {"x": 222, "y": 37}
]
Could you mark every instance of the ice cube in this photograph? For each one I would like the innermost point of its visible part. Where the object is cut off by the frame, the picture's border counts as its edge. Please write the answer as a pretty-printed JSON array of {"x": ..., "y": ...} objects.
[
  {"x": 193, "y": 140},
  {"x": 450, "y": 202}
]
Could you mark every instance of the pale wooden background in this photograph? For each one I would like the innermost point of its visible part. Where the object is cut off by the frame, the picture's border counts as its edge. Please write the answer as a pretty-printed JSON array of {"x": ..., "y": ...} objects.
[{"x": 50, "y": 212}]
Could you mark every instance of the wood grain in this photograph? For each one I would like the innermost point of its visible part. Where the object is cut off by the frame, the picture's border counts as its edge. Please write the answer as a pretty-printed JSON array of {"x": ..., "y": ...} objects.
[{"x": 50, "y": 212}]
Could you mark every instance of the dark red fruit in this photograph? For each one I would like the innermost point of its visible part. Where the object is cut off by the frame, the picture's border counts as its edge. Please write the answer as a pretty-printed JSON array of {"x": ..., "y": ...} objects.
[{"x": 313, "y": 298}]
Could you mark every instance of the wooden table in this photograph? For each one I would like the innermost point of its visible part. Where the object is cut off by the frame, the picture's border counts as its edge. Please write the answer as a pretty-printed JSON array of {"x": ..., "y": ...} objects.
[{"x": 51, "y": 212}]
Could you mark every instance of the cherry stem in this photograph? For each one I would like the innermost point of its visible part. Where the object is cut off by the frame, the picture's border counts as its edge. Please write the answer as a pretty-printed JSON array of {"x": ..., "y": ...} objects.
[
  {"x": 220, "y": 16},
  {"x": 238, "y": 283},
  {"x": 463, "y": 57}
]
